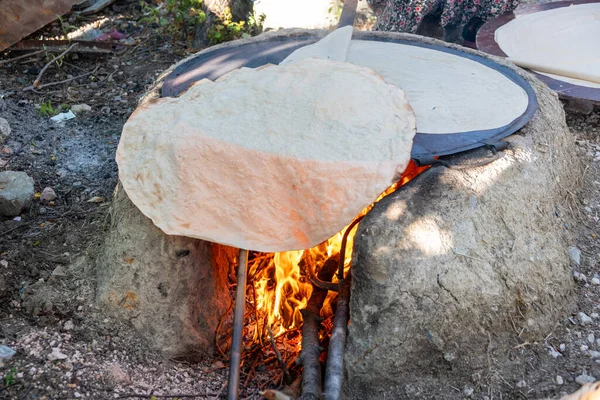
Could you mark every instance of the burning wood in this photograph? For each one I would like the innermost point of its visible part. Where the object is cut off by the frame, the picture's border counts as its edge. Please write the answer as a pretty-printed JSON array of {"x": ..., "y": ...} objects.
[
  {"x": 284, "y": 299},
  {"x": 311, "y": 349}
]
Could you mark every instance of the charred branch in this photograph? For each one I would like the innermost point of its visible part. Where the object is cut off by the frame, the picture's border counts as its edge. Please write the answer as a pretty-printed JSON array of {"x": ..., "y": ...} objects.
[
  {"x": 286, "y": 374},
  {"x": 335, "y": 355},
  {"x": 311, "y": 350}
]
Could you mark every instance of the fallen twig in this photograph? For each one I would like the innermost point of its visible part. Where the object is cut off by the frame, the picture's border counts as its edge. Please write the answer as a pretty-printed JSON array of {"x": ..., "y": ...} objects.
[
  {"x": 32, "y": 88},
  {"x": 163, "y": 396},
  {"x": 22, "y": 57},
  {"x": 36, "y": 83},
  {"x": 286, "y": 373}
]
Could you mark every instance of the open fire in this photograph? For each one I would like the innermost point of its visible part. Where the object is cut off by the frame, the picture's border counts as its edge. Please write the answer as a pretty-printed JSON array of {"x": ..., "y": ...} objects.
[
  {"x": 279, "y": 288},
  {"x": 281, "y": 284}
]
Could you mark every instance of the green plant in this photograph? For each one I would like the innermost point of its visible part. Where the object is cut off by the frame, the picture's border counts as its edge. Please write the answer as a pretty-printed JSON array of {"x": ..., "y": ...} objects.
[
  {"x": 65, "y": 26},
  {"x": 174, "y": 17},
  {"x": 47, "y": 110},
  {"x": 225, "y": 29},
  {"x": 335, "y": 8},
  {"x": 9, "y": 378}
]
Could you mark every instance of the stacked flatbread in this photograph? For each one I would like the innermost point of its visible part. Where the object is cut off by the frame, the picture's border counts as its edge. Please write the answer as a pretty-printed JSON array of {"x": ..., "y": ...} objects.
[
  {"x": 563, "y": 43},
  {"x": 281, "y": 158},
  {"x": 449, "y": 93},
  {"x": 271, "y": 159}
]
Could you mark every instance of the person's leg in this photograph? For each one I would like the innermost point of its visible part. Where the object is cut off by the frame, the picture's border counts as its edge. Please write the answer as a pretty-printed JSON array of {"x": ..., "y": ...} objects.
[
  {"x": 470, "y": 31},
  {"x": 430, "y": 24},
  {"x": 404, "y": 15},
  {"x": 452, "y": 33}
]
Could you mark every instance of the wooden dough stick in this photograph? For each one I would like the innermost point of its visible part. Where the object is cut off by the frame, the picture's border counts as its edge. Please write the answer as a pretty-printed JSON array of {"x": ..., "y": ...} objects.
[{"x": 548, "y": 69}]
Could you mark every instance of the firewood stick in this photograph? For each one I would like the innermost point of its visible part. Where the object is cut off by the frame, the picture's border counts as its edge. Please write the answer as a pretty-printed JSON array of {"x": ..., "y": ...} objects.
[
  {"x": 311, "y": 350},
  {"x": 31, "y": 88},
  {"x": 337, "y": 342},
  {"x": 22, "y": 57},
  {"x": 36, "y": 83},
  {"x": 286, "y": 373},
  {"x": 238, "y": 328}
]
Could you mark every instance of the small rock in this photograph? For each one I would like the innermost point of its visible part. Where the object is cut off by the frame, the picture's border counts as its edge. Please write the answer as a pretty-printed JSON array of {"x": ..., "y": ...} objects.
[
  {"x": 468, "y": 391},
  {"x": 594, "y": 315},
  {"x": 521, "y": 384},
  {"x": 559, "y": 380},
  {"x": 69, "y": 325},
  {"x": 48, "y": 194},
  {"x": 16, "y": 192},
  {"x": 584, "y": 347},
  {"x": 80, "y": 108},
  {"x": 96, "y": 199},
  {"x": 117, "y": 375},
  {"x": 591, "y": 339},
  {"x": 595, "y": 281},
  {"x": 581, "y": 278},
  {"x": 585, "y": 378},
  {"x": 594, "y": 354},
  {"x": 575, "y": 255},
  {"x": 6, "y": 353},
  {"x": 4, "y": 130},
  {"x": 583, "y": 318},
  {"x": 56, "y": 355},
  {"x": 59, "y": 271},
  {"x": 562, "y": 347},
  {"x": 553, "y": 353},
  {"x": 449, "y": 356}
]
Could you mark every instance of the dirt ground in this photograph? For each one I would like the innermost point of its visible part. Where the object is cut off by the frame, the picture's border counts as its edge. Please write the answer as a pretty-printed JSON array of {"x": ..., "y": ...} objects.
[{"x": 66, "y": 348}]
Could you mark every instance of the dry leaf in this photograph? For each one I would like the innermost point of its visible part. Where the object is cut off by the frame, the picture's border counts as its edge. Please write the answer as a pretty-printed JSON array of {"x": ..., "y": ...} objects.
[
  {"x": 96, "y": 199},
  {"x": 274, "y": 395}
]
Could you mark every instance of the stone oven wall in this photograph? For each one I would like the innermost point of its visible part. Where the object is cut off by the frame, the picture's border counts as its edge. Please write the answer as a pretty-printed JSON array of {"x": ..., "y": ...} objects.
[{"x": 460, "y": 262}]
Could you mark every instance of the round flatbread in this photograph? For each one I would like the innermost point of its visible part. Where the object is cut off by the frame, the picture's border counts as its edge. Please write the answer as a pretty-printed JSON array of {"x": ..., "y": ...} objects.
[
  {"x": 564, "y": 39},
  {"x": 449, "y": 93},
  {"x": 271, "y": 159}
]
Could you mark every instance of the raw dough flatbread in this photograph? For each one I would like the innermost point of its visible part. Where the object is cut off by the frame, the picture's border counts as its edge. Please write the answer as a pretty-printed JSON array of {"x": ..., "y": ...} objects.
[
  {"x": 449, "y": 93},
  {"x": 332, "y": 47},
  {"x": 272, "y": 159},
  {"x": 566, "y": 38}
]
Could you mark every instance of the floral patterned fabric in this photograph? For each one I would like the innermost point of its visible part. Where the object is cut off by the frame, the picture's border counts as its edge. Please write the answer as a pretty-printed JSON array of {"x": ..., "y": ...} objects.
[{"x": 405, "y": 15}]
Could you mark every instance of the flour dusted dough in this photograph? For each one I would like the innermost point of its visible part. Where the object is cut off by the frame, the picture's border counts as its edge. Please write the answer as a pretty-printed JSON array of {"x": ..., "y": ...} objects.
[
  {"x": 566, "y": 38},
  {"x": 448, "y": 93},
  {"x": 332, "y": 47},
  {"x": 273, "y": 159}
]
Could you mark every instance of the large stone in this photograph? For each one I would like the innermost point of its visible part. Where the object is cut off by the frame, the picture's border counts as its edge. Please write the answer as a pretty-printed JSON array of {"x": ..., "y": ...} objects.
[
  {"x": 4, "y": 130},
  {"x": 458, "y": 262},
  {"x": 169, "y": 287},
  {"x": 16, "y": 192}
]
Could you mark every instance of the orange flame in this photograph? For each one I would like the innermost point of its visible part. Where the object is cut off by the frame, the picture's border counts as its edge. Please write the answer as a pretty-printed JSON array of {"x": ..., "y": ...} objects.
[{"x": 282, "y": 290}]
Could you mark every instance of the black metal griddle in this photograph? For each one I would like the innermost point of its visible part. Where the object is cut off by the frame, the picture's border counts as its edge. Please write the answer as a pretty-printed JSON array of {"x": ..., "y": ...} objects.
[{"x": 212, "y": 64}]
